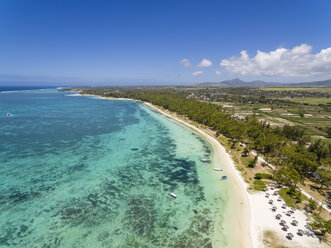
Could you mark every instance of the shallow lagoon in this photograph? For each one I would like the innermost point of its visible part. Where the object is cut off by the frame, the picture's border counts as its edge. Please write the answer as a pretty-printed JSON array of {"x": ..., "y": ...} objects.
[{"x": 84, "y": 172}]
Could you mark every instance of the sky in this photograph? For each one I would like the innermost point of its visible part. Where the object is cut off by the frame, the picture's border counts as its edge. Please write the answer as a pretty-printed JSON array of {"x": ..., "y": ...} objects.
[{"x": 163, "y": 41}]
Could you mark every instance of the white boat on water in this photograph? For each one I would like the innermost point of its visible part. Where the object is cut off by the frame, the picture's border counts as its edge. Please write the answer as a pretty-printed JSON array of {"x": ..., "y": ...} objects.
[
  {"x": 204, "y": 160},
  {"x": 173, "y": 195},
  {"x": 9, "y": 114},
  {"x": 217, "y": 169}
]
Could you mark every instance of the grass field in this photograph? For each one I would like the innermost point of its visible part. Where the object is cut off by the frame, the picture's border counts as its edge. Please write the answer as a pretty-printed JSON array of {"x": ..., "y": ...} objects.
[
  {"x": 308, "y": 89},
  {"x": 310, "y": 100}
]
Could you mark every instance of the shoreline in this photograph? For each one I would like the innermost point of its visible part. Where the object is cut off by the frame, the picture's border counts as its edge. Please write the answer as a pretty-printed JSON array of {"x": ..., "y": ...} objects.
[
  {"x": 242, "y": 223},
  {"x": 253, "y": 216}
]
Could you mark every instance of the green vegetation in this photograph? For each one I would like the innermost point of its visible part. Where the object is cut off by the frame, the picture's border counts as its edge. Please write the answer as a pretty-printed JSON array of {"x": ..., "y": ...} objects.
[
  {"x": 310, "y": 100},
  {"x": 253, "y": 162},
  {"x": 292, "y": 196},
  {"x": 312, "y": 204},
  {"x": 307, "y": 89},
  {"x": 323, "y": 226},
  {"x": 263, "y": 176},
  {"x": 291, "y": 202},
  {"x": 259, "y": 185}
]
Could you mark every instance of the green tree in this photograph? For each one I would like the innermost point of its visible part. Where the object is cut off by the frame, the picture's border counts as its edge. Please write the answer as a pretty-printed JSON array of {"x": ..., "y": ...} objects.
[
  {"x": 312, "y": 204},
  {"x": 253, "y": 162},
  {"x": 319, "y": 148},
  {"x": 324, "y": 177},
  {"x": 286, "y": 176},
  {"x": 245, "y": 152}
]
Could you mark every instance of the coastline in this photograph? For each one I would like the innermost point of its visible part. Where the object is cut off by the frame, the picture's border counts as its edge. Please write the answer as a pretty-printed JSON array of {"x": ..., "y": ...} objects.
[
  {"x": 242, "y": 220},
  {"x": 253, "y": 213},
  {"x": 241, "y": 223},
  {"x": 252, "y": 217}
]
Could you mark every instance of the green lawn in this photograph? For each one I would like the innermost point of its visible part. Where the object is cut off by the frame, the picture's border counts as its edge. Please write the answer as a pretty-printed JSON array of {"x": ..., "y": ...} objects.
[
  {"x": 258, "y": 185},
  {"x": 310, "y": 100},
  {"x": 291, "y": 202},
  {"x": 308, "y": 89}
]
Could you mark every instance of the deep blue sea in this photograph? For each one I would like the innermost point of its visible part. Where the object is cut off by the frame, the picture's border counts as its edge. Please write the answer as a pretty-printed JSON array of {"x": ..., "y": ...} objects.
[
  {"x": 78, "y": 171},
  {"x": 7, "y": 89}
]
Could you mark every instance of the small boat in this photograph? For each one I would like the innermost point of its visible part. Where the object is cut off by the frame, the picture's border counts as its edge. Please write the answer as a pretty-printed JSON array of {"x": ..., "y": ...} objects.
[
  {"x": 217, "y": 169},
  {"x": 173, "y": 195},
  {"x": 204, "y": 160},
  {"x": 9, "y": 114},
  {"x": 224, "y": 177}
]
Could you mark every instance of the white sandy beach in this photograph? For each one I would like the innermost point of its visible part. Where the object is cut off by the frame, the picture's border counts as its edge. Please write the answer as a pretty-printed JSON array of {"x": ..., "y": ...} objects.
[{"x": 263, "y": 219}]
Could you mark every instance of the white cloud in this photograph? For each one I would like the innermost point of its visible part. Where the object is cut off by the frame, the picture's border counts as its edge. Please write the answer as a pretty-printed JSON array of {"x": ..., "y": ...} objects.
[
  {"x": 296, "y": 62},
  {"x": 185, "y": 62},
  {"x": 197, "y": 73},
  {"x": 205, "y": 63},
  {"x": 218, "y": 72}
]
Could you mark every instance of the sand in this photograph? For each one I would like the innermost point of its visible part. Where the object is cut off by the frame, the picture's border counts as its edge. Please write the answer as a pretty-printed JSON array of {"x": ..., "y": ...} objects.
[{"x": 263, "y": 219}]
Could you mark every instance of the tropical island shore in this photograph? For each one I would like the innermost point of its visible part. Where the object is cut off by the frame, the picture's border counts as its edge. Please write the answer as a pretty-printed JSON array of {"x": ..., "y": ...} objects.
[
  {"x": 254, "y": 222},
  {"x": 254, "y": 217}
]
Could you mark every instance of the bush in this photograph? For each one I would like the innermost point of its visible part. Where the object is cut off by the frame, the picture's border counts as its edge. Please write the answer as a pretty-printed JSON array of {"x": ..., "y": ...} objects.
[
  {"x": 263, "y": 176},
  {"x": 312, "y": 204},
  {"x": 321, "y": 224}
]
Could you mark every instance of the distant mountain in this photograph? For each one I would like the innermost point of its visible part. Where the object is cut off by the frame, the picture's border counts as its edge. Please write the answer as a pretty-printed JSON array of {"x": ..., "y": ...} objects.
[
  {"x": 258, "y": 83},
  {"x": 239, "y": 82}
]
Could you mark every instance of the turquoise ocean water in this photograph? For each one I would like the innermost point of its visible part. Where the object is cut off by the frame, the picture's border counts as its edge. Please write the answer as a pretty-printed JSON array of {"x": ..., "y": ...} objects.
[{"x": 85, "y": 172}]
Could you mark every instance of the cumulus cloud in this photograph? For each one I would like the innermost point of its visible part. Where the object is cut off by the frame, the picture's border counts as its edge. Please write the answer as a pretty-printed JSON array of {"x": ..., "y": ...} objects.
[
  {"x": 205, "y": 63},
  {"x": 296, "y": 62},
  {"x": 197, "y": 73},
  {"x": 218, "y": 72},
  {"x": 185, "y": 62}
]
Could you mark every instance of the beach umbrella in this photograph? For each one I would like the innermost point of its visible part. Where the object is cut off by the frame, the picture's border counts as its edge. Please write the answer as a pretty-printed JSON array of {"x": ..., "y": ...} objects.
[
  {"x": 294, "y": 222},
  {"x": 290, "y": 235}
]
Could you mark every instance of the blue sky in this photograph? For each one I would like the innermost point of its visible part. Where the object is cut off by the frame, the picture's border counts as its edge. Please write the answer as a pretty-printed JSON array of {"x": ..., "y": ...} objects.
[{"x": 143, "y": 42}]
